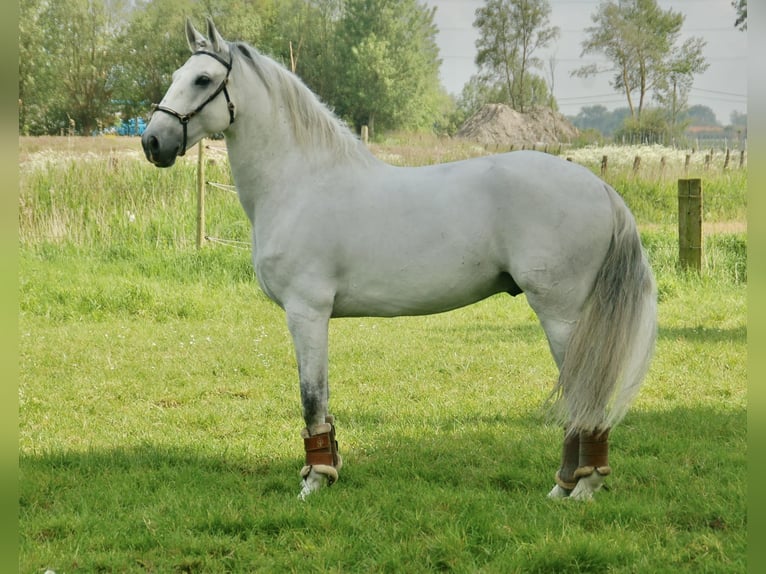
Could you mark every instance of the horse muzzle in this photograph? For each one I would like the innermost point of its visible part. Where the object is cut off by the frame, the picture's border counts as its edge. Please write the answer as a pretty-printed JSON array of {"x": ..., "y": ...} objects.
[{"x": 161, "y": 147}]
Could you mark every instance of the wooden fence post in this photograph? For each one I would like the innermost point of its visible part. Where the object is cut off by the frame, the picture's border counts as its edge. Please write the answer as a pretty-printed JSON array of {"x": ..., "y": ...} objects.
[
  {"x": 365, "y": 134},
  {"x": 603, "y": 166},
  {"x": 690, "y": 223},
  {"x": 200, "y": 194}
]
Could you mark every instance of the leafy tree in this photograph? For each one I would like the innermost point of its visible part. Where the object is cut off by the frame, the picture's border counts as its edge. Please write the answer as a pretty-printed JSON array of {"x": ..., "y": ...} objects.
[
  {"x": 599, "y": 118},
  {"x": 510, "y": 32},
  {"x": 36, "y": 77},
  {"x": 390, "y": 78},
  {"x": 738, "y": 119},
  {"x": 65, "y": 64},
  {"x": 242, "y": 19},
  {"x": 651, "y": 128},
  {"x": 700, "y": 115},
  {"x": 304, "y": 36},
  {"x": 639, "y": 38},
  {"x": 672, "y": 88},
  {"x": 153, "y": 45},
  {"x": 374, "y": 61},
  {"x": 477, "y": 91},
  {"x": 741, "y": 7}
]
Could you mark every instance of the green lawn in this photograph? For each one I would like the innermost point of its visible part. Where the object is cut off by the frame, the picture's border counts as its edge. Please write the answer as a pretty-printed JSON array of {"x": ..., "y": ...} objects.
[{"x": 159, "y": 414}]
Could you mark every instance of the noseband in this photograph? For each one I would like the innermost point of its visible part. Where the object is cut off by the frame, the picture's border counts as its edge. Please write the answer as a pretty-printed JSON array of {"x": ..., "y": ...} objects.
[{"x": 184, "y": 118}]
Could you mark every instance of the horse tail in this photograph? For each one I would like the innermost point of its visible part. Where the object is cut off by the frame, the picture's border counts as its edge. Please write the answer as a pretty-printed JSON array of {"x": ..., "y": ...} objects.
[{"x": 611, "y": 347}]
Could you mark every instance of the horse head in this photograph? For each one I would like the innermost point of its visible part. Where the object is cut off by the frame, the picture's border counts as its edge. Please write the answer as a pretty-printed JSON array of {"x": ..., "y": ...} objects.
[{"x": 196, "y": 104}]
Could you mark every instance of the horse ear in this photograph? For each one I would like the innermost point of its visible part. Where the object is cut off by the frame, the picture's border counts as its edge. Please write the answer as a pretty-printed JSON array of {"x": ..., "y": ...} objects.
[
  {"x": 196, "y": 40},
  {"x": 219, "y": 44}
]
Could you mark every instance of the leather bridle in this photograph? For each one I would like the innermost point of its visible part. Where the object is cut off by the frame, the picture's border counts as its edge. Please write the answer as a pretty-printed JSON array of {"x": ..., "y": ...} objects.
[{"x": 184, "y": 118}]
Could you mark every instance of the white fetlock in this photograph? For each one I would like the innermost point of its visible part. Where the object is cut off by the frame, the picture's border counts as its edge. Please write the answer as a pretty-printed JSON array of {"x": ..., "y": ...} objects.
[
  {"x": 311, "y": 482},
  {"x": 322, "y": 458},
  {"x": 590, "y": 483},
  {"x": 558, "y": 492},
  {"x": 315, "y": 477}
]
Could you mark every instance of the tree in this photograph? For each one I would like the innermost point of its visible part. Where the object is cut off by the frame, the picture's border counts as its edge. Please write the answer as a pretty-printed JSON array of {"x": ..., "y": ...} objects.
[
  {"x": 152, "y": 46},
  {"x": 738, "y": 119},
  {"x": 672, "y": 88},
  {"x": 510, "y": 32},
  {"x": 36, "y": 78},
  {"x": 81, "y": 32},
  {"x": 651, "y": 128},
  {"x": 390, "y": 78},
  {"x": 304, "y": 36},
  {"x": 639, "y": 38},
  {"x": 741, "y": 7},
  {"x": 374, "y": 61},
  {"x": 700, "y": 115},
  {"x": 599, "y": 118},
  {"x": 66, "y": 58}
]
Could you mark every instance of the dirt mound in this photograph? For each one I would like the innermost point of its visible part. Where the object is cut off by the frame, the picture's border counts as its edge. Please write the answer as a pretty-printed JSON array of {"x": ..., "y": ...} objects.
[{"x": 499, "y": 124}]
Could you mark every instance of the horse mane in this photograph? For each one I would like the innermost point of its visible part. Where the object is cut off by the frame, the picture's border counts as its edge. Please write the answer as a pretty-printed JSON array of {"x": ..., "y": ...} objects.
[{"x": 313, "y": 124}]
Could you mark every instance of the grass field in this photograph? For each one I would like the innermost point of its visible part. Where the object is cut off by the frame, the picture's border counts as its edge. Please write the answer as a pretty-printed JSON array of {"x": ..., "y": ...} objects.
[{"x": 159, "y": 405}]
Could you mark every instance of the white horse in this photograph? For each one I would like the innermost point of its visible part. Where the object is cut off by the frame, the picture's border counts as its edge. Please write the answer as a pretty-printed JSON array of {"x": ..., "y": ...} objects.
[{"x": 338, "y": 233}]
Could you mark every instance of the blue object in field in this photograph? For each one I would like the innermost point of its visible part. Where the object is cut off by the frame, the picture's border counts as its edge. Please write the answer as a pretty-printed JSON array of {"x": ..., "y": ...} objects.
[{"x": 131, "y": 127}]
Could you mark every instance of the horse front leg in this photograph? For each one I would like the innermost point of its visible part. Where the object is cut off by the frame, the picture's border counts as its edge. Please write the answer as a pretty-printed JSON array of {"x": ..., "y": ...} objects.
[{"x": 309, "y": 332}]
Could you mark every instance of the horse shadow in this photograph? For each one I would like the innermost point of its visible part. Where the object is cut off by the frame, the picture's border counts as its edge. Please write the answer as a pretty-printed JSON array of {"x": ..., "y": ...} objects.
[{"x": 517, "y": 453}]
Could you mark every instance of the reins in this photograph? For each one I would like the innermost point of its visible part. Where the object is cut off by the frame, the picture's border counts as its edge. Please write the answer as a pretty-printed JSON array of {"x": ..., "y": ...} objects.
[{"x": 184, "y": 118}]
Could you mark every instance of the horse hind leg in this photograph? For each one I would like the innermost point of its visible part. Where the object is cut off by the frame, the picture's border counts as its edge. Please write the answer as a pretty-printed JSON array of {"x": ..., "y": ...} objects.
[
  {"x": 565, "y": 475},
  {"x": 558, "y": 333},
  {"x": 593, "y": 463},
  {"x": 584, "y": 453},
  {"x": 584, "y": 464}
]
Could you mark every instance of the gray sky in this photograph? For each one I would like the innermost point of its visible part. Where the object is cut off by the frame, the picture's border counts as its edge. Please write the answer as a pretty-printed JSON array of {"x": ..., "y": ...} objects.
[{"x": 723, "y": 87}]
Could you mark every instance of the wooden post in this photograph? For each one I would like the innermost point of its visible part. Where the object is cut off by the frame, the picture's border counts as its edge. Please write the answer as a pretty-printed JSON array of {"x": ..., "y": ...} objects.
[
  {"x": 636, "y": 164},
  {"x": 200, "y": 194},
  {"x": 365, "y": 134},
  {"x": 603, "y": 166},
  {"x": 690, "y": 223}
]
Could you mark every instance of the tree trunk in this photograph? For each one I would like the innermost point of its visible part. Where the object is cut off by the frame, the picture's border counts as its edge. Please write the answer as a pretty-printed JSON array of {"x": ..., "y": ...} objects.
[
  {"x": 626, "y": 85},
  {"x": 371, "y": 125}
]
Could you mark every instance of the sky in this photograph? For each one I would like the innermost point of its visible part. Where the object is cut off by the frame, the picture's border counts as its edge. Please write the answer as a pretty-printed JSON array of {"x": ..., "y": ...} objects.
[{"x": 723, "y": 87}]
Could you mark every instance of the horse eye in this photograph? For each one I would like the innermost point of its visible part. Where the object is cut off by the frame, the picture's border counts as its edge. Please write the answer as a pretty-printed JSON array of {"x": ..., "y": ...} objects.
[{"x": 202, "y": 81}]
